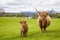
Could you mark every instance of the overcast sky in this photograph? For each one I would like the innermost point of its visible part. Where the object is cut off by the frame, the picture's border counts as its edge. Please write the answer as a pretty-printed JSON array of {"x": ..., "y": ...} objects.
[{"x": 29, "y": 5}]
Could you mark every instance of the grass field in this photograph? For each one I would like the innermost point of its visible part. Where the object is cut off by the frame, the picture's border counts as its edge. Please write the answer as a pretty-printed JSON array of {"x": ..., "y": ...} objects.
[{"x": 10, "y": 29}]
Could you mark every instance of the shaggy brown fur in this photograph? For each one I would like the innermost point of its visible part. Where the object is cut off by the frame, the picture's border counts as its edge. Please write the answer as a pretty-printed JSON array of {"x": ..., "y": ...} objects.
[
  {"x": 24, "y": 28},
  {"x": 43, "y": 20}
]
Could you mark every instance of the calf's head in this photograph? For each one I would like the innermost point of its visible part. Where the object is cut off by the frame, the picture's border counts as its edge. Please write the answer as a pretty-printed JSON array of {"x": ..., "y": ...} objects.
[{"x": 23, "y": 23}]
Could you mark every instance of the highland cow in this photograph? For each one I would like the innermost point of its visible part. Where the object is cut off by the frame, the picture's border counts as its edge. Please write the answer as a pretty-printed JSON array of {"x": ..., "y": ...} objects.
[
  {"x": 44, "y": 20},
  {"x": 24, "y": 28}
]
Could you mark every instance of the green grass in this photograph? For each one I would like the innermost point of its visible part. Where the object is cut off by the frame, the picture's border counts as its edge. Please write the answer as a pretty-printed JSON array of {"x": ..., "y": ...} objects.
[{"x": 10, "y": 29}]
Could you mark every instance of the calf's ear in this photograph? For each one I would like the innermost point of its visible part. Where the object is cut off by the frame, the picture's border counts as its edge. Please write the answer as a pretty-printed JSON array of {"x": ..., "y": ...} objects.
[
  {"x": 48, "y": 13},
  {"x": 20, "y": 22}
]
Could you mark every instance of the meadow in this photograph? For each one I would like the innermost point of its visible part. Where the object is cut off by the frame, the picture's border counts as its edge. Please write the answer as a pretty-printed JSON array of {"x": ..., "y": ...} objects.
[{"x": 10, "y": 29}]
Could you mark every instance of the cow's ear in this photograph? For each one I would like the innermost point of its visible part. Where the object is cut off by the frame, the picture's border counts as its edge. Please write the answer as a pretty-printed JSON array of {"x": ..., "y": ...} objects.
[
  {"x": 25, "y": 21},
  {"x": 47, "y": 13},
  {"x": 39, "y": 13}
]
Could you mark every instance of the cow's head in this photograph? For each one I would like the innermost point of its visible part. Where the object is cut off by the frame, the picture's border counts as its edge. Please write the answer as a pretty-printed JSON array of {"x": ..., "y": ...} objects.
[{"x": 42, "y": 14}]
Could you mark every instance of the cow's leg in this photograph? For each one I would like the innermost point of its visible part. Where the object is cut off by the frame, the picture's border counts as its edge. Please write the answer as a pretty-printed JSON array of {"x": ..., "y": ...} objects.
[
  {"x": 45, "y": 29},
  {"x": 45, "y": 25},
  {"x": 41, "y": 29}
]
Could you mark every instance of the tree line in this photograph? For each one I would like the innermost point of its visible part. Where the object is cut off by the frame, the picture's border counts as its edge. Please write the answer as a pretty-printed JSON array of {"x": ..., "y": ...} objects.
[{"x": 33, "y": 15}]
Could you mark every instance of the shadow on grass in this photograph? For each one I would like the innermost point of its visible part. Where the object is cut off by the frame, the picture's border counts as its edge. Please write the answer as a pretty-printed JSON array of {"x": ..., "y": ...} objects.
[
  {"x": 47, "y": 34},
  {"x": 12, "y": 38},
  {"x": 52, "y": 31}
]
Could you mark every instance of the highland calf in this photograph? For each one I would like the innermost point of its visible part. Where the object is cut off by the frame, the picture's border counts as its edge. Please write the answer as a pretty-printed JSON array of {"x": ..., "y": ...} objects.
[{"x": 24, "y": 28}]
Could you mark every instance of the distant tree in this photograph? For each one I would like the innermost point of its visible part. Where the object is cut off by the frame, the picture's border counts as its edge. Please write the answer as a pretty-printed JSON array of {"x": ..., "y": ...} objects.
[
  {"x": 2, "y": 14},
  {"x": 58, "y": 15},
  {"x": 34, "y": 16}
]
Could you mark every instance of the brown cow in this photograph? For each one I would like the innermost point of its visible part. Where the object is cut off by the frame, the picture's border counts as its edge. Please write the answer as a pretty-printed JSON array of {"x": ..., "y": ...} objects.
[
  {"x": 44, "y": 20},
  {"x": 24, "y": 28}
]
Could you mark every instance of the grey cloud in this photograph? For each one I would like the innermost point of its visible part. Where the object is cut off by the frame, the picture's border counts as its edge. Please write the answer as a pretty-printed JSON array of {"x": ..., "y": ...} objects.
[
  {"x": 19, "y": 3},
  {"x": 57, "y": 4}
]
